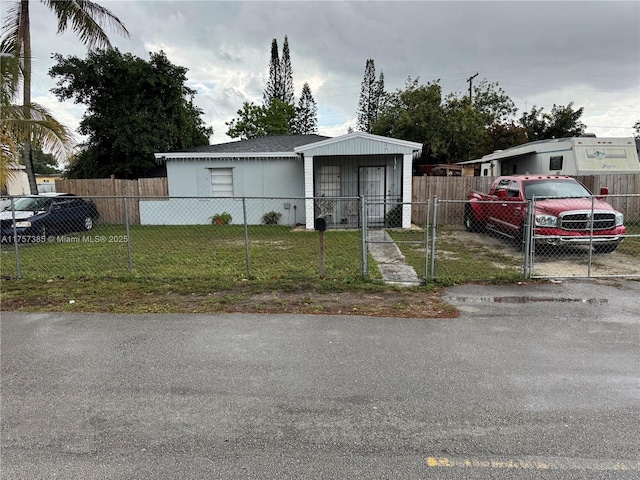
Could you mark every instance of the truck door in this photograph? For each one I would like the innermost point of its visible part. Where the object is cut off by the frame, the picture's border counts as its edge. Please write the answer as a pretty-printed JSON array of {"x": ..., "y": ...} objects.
[{"x": 509, "y": 209}]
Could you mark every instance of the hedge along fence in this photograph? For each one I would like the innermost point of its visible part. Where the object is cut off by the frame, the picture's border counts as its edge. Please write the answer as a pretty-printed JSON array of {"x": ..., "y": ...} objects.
[
  {"x": 108, "y": 193},
  {"x": 624, "y": 190}
]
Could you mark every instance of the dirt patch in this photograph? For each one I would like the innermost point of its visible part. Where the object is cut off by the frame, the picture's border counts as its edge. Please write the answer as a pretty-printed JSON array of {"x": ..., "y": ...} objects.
[
  {"x": 66, "y": 296},
  {"x": 406, "y": 304}
]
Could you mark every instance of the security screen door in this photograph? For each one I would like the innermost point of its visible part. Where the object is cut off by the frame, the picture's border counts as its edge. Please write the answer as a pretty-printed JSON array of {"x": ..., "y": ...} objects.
[{"x": 371, "y": 182}]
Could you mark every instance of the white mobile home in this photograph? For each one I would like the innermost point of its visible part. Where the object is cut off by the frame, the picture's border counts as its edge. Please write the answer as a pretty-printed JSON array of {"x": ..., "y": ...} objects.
[{"x": 562, "y": 156}]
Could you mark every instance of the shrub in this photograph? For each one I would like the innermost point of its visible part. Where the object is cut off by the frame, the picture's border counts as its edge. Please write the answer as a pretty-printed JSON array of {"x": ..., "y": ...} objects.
[
  {"x": 271, "y": 218},
  {"x": 223, "y": 218}
]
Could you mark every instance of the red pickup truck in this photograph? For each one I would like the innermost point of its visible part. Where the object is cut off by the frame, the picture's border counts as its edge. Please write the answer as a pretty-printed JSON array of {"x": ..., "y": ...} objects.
[{"x": 566, "y": 213}]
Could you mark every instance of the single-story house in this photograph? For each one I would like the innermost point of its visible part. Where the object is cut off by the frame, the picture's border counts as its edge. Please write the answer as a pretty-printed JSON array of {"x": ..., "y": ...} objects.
[{"x": 312, "y": 175}]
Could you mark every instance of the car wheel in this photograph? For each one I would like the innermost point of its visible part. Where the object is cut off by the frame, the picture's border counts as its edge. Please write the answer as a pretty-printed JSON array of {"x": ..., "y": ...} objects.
[
  {"x": 88, "y": 223},
  {"x": 604, "y": 248},
  {"x": 470, "y": 222}
]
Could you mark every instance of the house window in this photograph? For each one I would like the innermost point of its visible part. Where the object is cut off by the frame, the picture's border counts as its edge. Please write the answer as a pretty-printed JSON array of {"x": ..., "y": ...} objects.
[
  {"x": 555, "y": 162},
  {"x": 329, "y": 181},
  {"x": 222, "y": 182}
]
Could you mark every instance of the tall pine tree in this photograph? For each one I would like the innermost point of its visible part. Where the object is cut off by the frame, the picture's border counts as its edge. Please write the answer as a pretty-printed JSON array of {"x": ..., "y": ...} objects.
[
  {"x": 286, "y": 74},
  {"x": 274, "y": 88},
  {"x": 371, "y": 95},
  {"x": 306, "y": 119}
]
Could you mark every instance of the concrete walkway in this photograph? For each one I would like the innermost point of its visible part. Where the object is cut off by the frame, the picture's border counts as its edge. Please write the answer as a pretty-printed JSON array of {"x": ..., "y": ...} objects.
[{"x": 391, "y": 262}]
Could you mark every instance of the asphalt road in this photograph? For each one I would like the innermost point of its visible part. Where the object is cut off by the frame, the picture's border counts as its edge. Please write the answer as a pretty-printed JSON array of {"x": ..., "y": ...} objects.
[{"x": 535, "y": 381}]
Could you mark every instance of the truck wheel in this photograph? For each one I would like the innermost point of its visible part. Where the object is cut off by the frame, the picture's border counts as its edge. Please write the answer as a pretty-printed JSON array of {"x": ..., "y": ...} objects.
[{"x": 470, "y": 222}]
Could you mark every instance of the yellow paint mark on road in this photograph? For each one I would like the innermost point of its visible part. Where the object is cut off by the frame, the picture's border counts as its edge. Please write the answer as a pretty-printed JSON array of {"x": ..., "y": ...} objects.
[{"x": 536, "y": 464}]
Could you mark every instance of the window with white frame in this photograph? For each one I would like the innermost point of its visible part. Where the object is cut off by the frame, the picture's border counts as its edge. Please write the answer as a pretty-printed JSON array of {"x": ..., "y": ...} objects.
[{"x": 221, "y": 182}]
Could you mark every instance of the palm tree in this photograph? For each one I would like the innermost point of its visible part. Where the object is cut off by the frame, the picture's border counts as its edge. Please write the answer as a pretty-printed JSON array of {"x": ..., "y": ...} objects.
[
  {"x": 85, "y": 18},
  {"x": 15, "y": 128}
]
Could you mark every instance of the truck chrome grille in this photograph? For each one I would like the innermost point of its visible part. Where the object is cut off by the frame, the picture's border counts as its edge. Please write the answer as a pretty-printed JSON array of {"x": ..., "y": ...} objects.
[{"x": 583, "y": 220}]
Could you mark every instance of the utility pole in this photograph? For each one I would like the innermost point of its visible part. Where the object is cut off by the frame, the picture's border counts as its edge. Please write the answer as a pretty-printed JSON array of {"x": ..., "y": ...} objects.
[{"x": 470, "y": 80}]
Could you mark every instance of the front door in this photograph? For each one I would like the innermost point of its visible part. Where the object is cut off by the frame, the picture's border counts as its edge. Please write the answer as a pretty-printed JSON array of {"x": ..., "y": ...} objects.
[{"x": 371, "y": 185}]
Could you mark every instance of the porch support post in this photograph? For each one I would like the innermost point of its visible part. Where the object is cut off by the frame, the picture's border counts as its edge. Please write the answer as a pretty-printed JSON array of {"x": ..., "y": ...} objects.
[
  {"x": 407, "y": 175},
  {"x": 308, "y": 192}
]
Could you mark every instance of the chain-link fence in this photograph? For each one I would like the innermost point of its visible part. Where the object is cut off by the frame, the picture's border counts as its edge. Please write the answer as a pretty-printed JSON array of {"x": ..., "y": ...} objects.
[
  {"x": 585, "y": 237},
  {"x": 226, "y": 240},
  {"x": 230, "y": 240},
  {"x": 548, "y": 237}
]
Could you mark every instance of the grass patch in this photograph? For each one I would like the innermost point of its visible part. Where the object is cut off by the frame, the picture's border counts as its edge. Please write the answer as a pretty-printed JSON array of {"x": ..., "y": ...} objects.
[
  {"x": 217, "y": 253},
  {"x": 457, "y": 262}
]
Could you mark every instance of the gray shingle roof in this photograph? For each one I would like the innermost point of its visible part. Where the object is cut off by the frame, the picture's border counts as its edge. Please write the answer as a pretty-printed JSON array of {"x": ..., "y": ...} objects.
[{"x": 270, "y": 143}]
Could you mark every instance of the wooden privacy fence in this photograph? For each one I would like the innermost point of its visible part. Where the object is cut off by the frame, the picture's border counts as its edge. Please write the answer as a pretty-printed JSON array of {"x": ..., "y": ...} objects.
[
  {"x": 108, "y": 195},
  {"x": 622, "y": 187}
]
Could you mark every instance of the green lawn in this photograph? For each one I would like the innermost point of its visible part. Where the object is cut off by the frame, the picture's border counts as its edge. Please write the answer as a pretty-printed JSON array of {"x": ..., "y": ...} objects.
[{"x": 217, "y": 253}]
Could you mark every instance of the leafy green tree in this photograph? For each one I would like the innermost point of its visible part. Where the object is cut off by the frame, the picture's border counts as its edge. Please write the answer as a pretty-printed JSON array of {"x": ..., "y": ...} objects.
[
  {"x": 306, "y": 119},
  {"x": 463, "y": 129},
  {"x": 499, "y": 136},
  {"x": 562, "y": 122},
  {"x": 415, "y": 113},
  {"x": 249, "y": 123},
  {"x": 43, "y": 163},
  {"x": 495, "y": 106},
  {"x": 451, "y": 130},
  {"x": 371, "y": 97},
  {"x": 86, "y": 18},
  {"x": 255, "y": 121},
  {"x": 471, "y": 128},
  {"x": 125, "y": 126}
]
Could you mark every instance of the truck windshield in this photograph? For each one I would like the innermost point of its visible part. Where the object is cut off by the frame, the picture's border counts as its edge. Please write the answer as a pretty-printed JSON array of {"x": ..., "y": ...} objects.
[{"x": 554, "y": 188}]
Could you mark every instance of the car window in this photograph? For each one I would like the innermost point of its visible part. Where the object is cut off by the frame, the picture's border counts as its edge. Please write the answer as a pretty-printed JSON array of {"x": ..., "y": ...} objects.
[
  {"x": 514, "y": 189},
  {"x": 31, "y": 204},
  {"x": 64, "y": 204},
  {"x": 502, "y": 184}
]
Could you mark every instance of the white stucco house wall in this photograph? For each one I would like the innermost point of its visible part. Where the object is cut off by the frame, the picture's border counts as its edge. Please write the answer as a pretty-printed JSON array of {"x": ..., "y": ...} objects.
[{"x": 289, "y": 173}]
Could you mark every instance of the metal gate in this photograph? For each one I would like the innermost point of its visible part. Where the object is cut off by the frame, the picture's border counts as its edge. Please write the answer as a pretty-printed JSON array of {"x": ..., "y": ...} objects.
[{"x": 401, "y": 256}]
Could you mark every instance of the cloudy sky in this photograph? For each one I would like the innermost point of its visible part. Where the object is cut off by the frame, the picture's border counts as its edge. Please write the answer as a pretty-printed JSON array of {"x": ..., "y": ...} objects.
[{"x": 541, "y": 53}]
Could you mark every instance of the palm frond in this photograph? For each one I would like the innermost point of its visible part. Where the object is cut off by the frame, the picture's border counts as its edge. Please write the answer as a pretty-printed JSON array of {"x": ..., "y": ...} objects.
[
  {"x": 10, "y": 73},
  {"x": 88, "y": 20},
  {"x": 8, "y": 158},
  {"x": 40, "y": 127}
]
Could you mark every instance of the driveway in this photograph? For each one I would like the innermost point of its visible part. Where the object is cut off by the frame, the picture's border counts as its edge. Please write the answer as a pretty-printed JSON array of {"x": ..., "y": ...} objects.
[
  {"x": 560, "y": 262},
  {"x": 531, "y": 381}
]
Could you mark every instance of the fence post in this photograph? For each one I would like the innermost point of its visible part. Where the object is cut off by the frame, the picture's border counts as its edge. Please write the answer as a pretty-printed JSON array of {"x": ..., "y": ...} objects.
[
  {"x": 363, "y": 229},
  {"x": 528, "y": 238},
  {"x": 15, "y": 239},
  {"x": 593, "y": 199},
  {"x": 126, "y": 222},
  {"x": 433, "y": 236},
  {"x": 427, "y": 252},
  {"x": 246, "y": 236}
]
